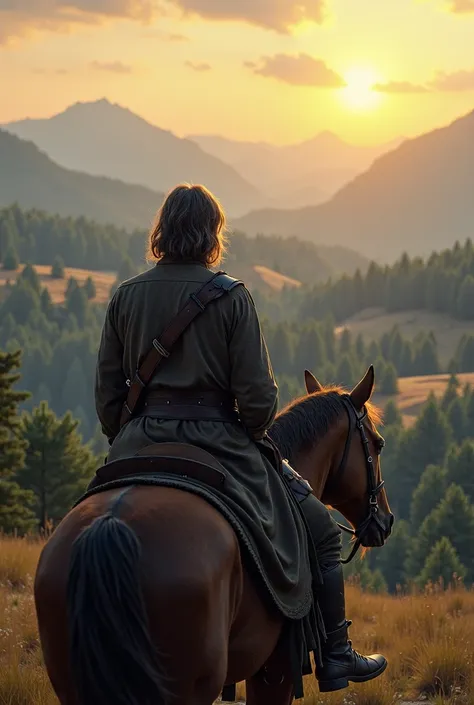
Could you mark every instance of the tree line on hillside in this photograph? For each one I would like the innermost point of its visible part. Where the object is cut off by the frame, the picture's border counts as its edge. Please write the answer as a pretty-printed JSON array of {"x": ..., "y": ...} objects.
[
  {"x": 37, "y": 237},
  {"x": 430, "y": 486},
  {"x": 60, "y": 348},
  {"x": 60, "y": 345},
  {"x": 45, "y": 466},
  {"x": 443, "y": 283}
]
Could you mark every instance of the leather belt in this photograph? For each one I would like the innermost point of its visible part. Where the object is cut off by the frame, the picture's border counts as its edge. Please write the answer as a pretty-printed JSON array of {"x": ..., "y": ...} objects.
[{"x": 186, "y": 406}]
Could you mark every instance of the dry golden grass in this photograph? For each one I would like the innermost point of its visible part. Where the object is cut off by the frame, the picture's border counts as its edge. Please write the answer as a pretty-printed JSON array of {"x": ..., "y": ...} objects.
[
  {"x": 57, "y": 287},
  {"x": 255, "y": 276},
  {"x": 372, "y": 323},
  {"x": 428, "y": 639},
  {"x": 413, "y": 392},
  {"x": 275, "y": 280}
]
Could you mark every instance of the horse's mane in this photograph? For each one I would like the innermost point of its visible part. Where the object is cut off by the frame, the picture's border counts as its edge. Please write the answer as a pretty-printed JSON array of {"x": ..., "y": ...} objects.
[{"x": 306, "y": 420}]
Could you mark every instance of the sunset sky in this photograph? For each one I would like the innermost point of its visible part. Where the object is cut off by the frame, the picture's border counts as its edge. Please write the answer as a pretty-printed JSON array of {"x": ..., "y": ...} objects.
[{"x": 275, "y": 70}]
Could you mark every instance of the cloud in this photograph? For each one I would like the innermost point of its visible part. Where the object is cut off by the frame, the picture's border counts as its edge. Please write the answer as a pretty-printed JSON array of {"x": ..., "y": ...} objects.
[
  {"x": 457, "y": 81},
  {"x": 198, "y": 67},
  {"x": 399, "y": 87},
  {"x": 20, "y": 17},
  {"x": 279, "y": 15},
  {"x": 164, "y": 36},
  {"x": 112, "y": 66},
  {"x": 300, "y": 70},
  {"x": 462, "y": 7}
]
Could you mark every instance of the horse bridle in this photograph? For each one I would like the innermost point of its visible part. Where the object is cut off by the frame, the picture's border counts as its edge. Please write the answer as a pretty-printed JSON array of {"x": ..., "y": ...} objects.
[{"x": 356, "y": 421}]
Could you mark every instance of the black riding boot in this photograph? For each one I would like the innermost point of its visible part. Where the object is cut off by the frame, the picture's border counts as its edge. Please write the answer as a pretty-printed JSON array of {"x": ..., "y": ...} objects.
[{"x": 341, "y": 663}]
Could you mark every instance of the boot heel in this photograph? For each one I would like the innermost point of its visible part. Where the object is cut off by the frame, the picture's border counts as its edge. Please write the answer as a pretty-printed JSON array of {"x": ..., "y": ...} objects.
[{"x": 336, "y": 684}]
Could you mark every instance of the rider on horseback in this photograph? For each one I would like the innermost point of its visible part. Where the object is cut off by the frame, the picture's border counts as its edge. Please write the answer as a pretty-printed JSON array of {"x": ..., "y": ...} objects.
[{"x": 189, "y": 399}]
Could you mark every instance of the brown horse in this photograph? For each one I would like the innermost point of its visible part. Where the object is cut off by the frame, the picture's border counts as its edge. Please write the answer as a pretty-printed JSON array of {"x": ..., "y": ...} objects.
[{"x": 156, "y": 607}]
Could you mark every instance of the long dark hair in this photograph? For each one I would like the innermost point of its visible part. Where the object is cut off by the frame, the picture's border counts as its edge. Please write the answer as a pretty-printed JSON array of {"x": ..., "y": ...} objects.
[{"x": 190, "y": 226}]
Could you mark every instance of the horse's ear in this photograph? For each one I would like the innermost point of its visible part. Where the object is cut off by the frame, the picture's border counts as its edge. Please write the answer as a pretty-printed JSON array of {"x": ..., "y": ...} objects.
[
  {"x": 362, "y": 392},
  {"x": 312, "y": 384}
]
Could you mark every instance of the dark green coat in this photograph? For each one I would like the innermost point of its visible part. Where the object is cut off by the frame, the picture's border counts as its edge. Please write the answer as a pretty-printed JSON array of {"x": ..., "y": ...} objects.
[{"x": 222, "y": 350}]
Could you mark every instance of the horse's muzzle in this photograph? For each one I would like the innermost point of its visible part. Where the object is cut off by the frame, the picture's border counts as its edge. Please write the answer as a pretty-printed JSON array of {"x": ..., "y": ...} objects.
[{"x": 377, "y": 533}]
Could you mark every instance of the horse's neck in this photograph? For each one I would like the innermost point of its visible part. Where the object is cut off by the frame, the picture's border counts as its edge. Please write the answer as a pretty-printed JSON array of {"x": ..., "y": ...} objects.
[{"x": 317, "y": 465}]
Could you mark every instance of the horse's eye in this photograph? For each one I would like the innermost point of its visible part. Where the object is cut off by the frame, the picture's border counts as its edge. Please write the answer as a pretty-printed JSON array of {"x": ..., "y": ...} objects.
[{"x": 380, "y": 444}]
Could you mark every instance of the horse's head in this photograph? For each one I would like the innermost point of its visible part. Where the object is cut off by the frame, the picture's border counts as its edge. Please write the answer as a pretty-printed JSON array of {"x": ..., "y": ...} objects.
[
  {"x": 331, "y": 439},
  {"x": 353, "y": 482}
]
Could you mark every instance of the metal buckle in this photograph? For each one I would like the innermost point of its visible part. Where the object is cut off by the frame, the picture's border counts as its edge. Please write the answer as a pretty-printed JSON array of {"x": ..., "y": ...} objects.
[{"x": 159, "y": 348}]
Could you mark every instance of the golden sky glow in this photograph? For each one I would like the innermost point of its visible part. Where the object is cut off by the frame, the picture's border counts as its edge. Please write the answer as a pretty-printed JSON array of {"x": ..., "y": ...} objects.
[{"x": 368, "y": 70}]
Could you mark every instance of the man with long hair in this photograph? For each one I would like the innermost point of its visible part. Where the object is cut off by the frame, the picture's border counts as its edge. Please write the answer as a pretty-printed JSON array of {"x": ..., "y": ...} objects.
[{"x": 222, "y": 358}]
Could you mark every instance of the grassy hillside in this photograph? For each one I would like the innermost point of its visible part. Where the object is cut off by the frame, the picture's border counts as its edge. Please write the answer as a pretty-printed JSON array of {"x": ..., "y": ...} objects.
[
  {"x": 414, "y": 391},
  {"x": 372, "y": 323},
  {"x": 29, "y": 178},
  {"x": 428, "y": 640},
  {"x": 257, "y": 277}
]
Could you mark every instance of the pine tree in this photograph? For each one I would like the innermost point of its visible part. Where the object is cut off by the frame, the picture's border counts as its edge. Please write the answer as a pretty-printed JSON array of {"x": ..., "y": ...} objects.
[
  {"x": 425, "y": 443},
  {"x": 57, "y": 465},
  {"x": 457, "y": 417},
  {"x": 391, "y": 561},
  {"x": 11, "y": 261},
  {"x": 15, "y": 512},
  {"x": 90, "y": 288},
  {"x": 465, "y": 354},
  {"x": 451, "y": 392},
  {"x": 453, "y": 518},
  {"x": 280, "y": 350},
  {"x": 12, "y": 446},
  {"x": 309, "y": 351},
  {"x": 392, "y": 415},
  {"x": 75, "y": 389},
  {"x": 57, "y": 268},
  {"x": 127, "y": 269},
  {"x": 345, "y": 342},
  {"x": 30, "y": 276},
  {"x": 428, "y": 494},
  {"x": 465, "y": 302},
  {"x": 345, "y": 372},
  {"x": 389, "y": 380},
  {"x": 21, "y": 301},
  {"x": 76, "y": 304},
  {"x": 442, "y": 564},
  {"x": 46, "y": 302},
  {"x": 460, "y": 467}
]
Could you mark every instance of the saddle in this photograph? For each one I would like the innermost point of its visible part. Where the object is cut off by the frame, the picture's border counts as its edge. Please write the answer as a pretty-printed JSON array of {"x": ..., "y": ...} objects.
[{"x": 181, "y": 459}]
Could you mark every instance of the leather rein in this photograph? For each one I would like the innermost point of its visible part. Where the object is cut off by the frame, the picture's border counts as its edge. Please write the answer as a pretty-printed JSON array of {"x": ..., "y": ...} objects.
[{"x": 356, "y": 422}]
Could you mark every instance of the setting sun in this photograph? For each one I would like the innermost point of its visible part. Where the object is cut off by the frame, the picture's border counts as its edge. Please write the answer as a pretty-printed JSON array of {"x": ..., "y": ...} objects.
[{"x": 358, "y": 94}]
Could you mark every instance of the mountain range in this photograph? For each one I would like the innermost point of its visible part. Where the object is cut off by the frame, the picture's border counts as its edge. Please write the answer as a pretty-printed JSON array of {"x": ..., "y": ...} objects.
[
  {"x": 416, "y": 198},
  {"x": 30, "y": 178},
  {"x": 105, "y": 139},
  {"x": 305, "y": 173}
]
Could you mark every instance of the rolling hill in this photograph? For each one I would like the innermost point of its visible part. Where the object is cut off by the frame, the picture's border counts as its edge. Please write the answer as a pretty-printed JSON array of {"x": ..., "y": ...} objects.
[
  {"x": 306, "y": 173},
  {"x": 414, "y": 391},
  {"x": 416, "y": 198},
  {"x": 105, "y": 139},
  {"x": 30, "y": 178},
  {"x": 372, "y": 323},
  {"x": 256, "y": 277}
]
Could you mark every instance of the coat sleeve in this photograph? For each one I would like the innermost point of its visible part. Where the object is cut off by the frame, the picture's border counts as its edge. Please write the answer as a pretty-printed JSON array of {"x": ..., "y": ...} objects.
[
  {"x": 252, "y": 380},
  {"x": 110, "y": 380}
]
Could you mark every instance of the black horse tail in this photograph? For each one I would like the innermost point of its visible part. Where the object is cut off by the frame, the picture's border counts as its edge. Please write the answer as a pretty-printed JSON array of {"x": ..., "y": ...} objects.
[{"x": 113, "y": 660}]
